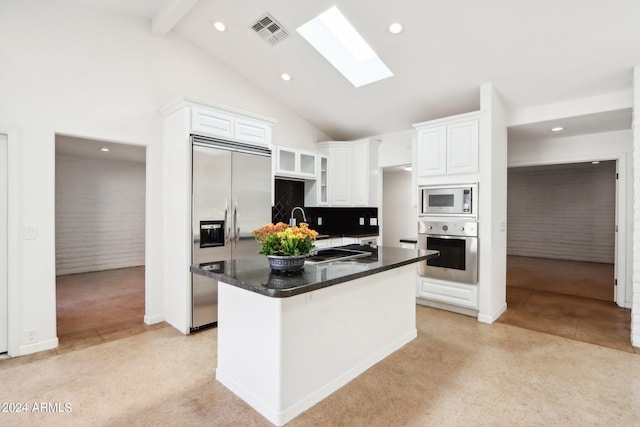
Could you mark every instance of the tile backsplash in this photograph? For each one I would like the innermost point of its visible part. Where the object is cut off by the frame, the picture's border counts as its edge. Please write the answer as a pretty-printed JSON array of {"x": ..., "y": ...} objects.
[
  {"x": 288, "y": 194},
  {"x": 333, "y": 221},
  {"x": 336, "y": 221}
]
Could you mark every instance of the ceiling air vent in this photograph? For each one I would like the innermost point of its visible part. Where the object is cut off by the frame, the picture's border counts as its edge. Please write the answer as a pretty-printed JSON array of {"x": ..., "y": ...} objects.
[{"x": 269, "y": 29}]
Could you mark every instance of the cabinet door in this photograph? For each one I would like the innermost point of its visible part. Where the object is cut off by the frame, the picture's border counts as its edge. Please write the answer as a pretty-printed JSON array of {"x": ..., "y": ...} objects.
[
  {"x": 212, "y": 123},
  {"x": 340, "y": 176},
  {"x": 252, "y": 132},
  {"x": 432, "y": 151},
  {"x": 323, "y": 183},
  {"x": 307, "y": 164},
  {"x": 459, "y": 294},
  {"x": 360, "y": 175},
  {"x": 462, "y": 147},
  {"x": 285, "y": 161}
]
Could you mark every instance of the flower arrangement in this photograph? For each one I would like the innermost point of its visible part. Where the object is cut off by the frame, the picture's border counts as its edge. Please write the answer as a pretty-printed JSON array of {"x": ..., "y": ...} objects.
[{"x": 280, "y": 239}]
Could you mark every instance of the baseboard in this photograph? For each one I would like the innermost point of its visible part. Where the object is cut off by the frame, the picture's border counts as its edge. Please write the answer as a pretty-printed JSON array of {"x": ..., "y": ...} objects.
[
  {"x": 153, "y": 319},
  {"x": 448, "y": 307},
  {"x": 485, "y": 318},
  {"x": 38, "y": 346}
]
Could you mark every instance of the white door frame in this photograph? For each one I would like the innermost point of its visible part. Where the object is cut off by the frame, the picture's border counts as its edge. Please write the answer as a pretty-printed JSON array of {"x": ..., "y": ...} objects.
[
  {"x": 4, "y": 244},
  {"x": 620, "y": 260},
  {"x": 13, "y": 250}
]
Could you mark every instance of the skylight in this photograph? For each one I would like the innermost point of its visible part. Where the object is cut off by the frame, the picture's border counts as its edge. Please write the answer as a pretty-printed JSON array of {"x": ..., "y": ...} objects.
[{"x": 335, "y": 38}]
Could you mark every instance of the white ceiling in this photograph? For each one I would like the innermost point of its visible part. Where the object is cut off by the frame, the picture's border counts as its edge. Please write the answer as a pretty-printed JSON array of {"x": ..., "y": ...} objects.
[{"x": 534, "y": 52}]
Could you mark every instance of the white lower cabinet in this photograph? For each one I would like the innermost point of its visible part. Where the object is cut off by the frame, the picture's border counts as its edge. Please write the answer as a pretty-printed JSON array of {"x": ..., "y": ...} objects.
[
  {"x": 367, "y": 240},
  {"x": 341, "y": 241},
  {"x": 460, "y": 294},
  {"x": 328, "y": 243}
]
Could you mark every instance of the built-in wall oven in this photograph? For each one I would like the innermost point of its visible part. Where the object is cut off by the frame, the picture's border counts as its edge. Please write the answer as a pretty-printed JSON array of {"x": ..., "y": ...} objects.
[{"x": 457, "y": 242}]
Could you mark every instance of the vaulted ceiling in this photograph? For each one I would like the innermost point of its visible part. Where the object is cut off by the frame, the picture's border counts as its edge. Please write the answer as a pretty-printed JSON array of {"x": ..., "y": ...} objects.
[{"x": 535, "y": 53}]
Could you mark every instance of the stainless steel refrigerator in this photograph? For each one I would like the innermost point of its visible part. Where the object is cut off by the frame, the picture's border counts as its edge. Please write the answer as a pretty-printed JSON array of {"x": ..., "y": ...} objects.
[{"x": 231, "y": 197}]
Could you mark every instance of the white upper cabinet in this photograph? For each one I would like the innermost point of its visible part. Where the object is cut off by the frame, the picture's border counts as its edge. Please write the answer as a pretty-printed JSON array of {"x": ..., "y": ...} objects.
[
  {"x": 295, "y": 163},
  {"x": 340, "y": 173},
  {"x": 353, "y": 176},
  {"x": 432, "y": 151},
  {"x": 447, "y": 146},
  {"x": 462, "y": 147},
  {"x": 316, "y": 192},
  {"x": 230, "y": 126}
]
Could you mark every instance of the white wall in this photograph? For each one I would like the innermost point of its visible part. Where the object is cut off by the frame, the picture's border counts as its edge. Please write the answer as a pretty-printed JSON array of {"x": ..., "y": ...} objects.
[
  {"x": 492, "y": 206},
  {"x": 399, "y": 217},
  {"x": 563, "y": 211},
  {"x": 100, "y": 214},
  {"x": 87, "y": 73},
  {"x": 395, "y": 148}
]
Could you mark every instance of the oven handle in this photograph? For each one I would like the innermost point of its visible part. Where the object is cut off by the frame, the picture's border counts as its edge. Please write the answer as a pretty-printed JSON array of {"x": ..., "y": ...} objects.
[{"x": 444, "y": 236}]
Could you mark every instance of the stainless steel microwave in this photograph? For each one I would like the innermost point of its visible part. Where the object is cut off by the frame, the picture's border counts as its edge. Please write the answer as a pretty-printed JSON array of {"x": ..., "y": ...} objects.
[{"x": 449, "y": 200}]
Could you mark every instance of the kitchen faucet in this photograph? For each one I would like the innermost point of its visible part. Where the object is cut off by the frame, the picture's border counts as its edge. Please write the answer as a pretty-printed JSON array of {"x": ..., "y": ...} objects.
[{"x": 292, "y": 220}]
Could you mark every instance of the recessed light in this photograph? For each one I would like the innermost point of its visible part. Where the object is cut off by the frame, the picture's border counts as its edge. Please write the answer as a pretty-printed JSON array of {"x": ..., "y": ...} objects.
[
  {"x": 286, "y": 77},
  {"x": 595, "y": 163},
  {"x": 105, "y": 149},
  {"x": 395, "y": 28},
  {"x": 557, "y": 129},
  {"x": 219, "y": 25}
]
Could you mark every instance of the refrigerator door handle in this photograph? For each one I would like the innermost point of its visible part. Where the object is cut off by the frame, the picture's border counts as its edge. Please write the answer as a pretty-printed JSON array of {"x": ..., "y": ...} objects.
[
  {"x": 226, "y": 217},
  {"x": 235, "y": 222}
]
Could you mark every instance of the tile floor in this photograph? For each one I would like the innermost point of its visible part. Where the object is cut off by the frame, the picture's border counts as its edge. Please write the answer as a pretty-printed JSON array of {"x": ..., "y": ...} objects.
[{"x": 568, "y": 299}]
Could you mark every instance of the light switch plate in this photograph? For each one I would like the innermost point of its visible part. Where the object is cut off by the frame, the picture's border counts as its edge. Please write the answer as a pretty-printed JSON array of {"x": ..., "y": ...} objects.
[
  {"x": 373, "y": 221},
  {"x": 30, "y": 232},
  {"x": 319, "y": 220}
]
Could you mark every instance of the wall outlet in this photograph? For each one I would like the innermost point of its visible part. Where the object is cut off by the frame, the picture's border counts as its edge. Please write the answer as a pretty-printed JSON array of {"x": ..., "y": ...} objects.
[
  {"x": 319, "y": 220},
  {"x": 373, "y": 221},
  {"x": 361, "y": 221},
  {"x": 31, "y": 336}
]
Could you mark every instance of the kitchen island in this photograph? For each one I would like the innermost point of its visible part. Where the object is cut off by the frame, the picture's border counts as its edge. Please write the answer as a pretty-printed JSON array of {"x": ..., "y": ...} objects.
[{"x": 287, "y": 342}]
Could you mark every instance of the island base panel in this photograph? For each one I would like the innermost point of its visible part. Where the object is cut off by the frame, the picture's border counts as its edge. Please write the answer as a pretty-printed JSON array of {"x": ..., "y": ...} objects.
[{"x": 284, "y": 355}]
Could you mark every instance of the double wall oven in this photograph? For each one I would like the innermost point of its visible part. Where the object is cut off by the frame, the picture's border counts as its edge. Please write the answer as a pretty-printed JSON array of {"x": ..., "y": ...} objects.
[{"x": 448, "y": 223}]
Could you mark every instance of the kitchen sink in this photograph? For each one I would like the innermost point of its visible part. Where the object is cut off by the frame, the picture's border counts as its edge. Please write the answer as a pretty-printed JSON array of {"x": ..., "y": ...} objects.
[{"x": 335, "y": 254}]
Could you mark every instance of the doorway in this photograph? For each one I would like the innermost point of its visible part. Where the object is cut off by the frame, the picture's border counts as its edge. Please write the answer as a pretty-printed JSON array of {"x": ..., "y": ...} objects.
[
  {"x": 100, "y": 240},
  {"x": 565, "y": 212},
  {"x": 563, "y": 255}
]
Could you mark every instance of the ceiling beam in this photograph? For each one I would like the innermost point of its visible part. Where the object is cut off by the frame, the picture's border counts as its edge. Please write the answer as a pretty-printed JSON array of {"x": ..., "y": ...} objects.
[
  {"x": 578, "y": 107},
  {"x": 167, "y": 17}
]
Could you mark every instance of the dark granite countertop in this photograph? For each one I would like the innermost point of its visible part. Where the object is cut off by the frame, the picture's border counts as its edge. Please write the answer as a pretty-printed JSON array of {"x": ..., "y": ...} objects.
[{"x": 254, "y": 274}]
